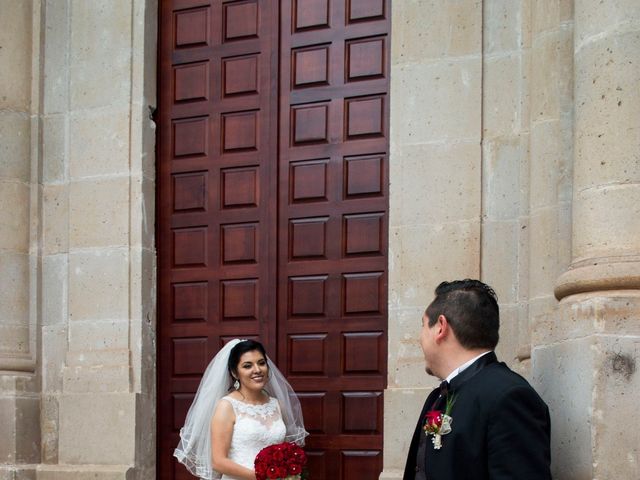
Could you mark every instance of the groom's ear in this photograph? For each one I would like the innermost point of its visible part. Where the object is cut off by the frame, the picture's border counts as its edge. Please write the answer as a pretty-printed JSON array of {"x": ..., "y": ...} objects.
[{"x": 442, "y": 328}]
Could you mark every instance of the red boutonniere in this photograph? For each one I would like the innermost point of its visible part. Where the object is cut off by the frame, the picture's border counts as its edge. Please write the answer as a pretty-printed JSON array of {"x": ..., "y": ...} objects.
[{"x": 438, "y": 423}]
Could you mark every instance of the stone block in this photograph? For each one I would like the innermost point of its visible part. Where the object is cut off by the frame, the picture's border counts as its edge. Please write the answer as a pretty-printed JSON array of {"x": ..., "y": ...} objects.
[
  {"x": 406, "y": 404},
  {"x": 616, "y": 436},
  {"x": 433, "y": 177},
  {"x": 8, "y": 429},
  {"x": 430, "y": 254},
  {"x": 406, "y": 360},
  {"x": 546, "y": 156},
  {"x": 97, "y": 429},
  {"x": 82, "y": 472},
  {"x": 99, "y": 142},
  {"x": 55, "y": 291},
  {"x": 14, "y": 290},
  {"x": 545, "y": 76},
  {"x": 430, "y": 29},
  {"x": 502, "y": 164},
  {"x": 96, "y": 379},
  {"x": 15, "y": 139},
  {"x": 543, "y": 264},
  {"x": 14, "y": 221},
  {"x": 16, "y": 40},
  {"x": 50, "y": 424},
  {"x": 500, "y": 262},
  {"x": 595, "y": 211},
  {"x": 593, "y": 18},
  {"x": 100, "y": 54},
  {"x": 142, "y": 223},
  {"x": 98, "y": 284},
  {"x": 502, "y": 26},
  {"x": 99, "y": 213},
  {"x": 448, "y": 110},
  {"x": 606, "y": 313},
  {"x": 563, "y": 376},
  {"x": 608, "y": 111},
  {"x": 98, "y": 335},
  {"x": 27, "y": 418},
  {"x": 56, "y": 56},
  {"x": 17, "y": 472},
  {"x": 55, "y": 219},
  {"x": 54, "y": 346},
  {"x": 545, "y": 16},
  {"x": 501, "y": 95},
  {"x": 54, "y": 148}
]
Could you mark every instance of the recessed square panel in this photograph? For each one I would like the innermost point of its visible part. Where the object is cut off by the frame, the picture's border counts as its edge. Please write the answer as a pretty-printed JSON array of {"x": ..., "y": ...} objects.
[
  {"x": 239, "y": 243},
  {"x": 191, "y": 27},
  {"x": 190, "y": 137},
  {"x": 364, "y": 117},
  {"x": 313, "y": 410},
  {"x": 310, "y": 14},
  {"x": 240, "y": 75},
  {"x": 190, "y": 302},
  {"x": 239, "y": 299},
  {"x": 363, "y": 352},
  {"x": 361, "y": 413},
  {"x": 307, "y": 296},
  {"x": 309, "y": 180},
  {"x": 361, "y": 463},
  {"x": 309, "y": 123},
  {"x": 239, "y": 187},
  {"x": 190, "y": 356},
  {"x": 358, "y": 10},
  {"x": 239, "y": 131},
  {"x": 307, "y": 354},
  {"x": 240, "y": 20},
  {"x": 310, "y": 66},
  {"x": 181, "y": 404},
  {"x": 189, "y": 191},
  {"x": 191, "y": 82},
  {"x": 364, "y": 59},
  {"x": 364, "y": 175},
  {"x": 190, "y": 247},
  {"x": 362, "y": 293},
  {"x": 317, "y": 462},
  {"x": 308, "y": 238},
  {"x": 363, "y": 234}
]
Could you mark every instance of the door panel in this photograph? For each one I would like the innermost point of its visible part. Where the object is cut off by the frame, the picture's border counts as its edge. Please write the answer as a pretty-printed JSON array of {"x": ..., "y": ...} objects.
[
  {"x": 216, "y": 176},
  {"x": 272, "y": 210},
  {"x": 332, "y": 240}
]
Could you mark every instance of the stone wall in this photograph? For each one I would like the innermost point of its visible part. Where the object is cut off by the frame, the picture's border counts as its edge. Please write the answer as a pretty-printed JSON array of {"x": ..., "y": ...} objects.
[
  {"x": 19, "y": 228},
  {"x": 77, "y": 244}
]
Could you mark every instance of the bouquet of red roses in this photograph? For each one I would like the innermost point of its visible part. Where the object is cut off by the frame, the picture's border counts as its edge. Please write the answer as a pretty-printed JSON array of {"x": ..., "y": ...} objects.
[{"x": 281, "y": 461}]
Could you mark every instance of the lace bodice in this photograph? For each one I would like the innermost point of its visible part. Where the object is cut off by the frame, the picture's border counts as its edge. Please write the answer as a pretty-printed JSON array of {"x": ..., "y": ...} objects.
[{"x": 256, "y": 427}]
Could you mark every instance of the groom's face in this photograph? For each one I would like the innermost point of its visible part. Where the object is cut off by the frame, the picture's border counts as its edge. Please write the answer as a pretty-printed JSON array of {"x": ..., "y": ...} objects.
[{"x": 428, "y": 344}]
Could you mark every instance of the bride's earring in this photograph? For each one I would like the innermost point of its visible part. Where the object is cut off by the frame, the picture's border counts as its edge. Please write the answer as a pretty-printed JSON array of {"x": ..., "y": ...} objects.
[{"x": 236, "y": 384}]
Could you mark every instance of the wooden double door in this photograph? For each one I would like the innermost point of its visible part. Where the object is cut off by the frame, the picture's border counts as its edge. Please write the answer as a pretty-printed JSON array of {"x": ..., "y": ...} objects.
[{"x": 272, "y": 210}]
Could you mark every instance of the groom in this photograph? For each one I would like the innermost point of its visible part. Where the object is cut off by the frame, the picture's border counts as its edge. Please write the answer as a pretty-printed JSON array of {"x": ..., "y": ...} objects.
[{"x": 485, "y": 421}]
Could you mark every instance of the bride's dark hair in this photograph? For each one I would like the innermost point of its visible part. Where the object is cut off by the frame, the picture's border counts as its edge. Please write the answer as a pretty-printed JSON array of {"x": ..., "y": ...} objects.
[{"x": 240, "y": 349}]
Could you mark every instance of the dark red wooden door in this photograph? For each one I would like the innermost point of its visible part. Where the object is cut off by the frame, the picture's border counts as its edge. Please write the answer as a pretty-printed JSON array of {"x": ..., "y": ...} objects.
[{"x": 272, "y": 210}]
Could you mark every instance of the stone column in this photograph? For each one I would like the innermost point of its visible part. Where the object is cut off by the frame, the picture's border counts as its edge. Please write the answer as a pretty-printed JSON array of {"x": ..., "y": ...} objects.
[
  {"x": 19, "y": 382},
  {"x": 585, "y": 359},
  {"x": 435, "y": 192},
  {"x": 98, "y": 282}
]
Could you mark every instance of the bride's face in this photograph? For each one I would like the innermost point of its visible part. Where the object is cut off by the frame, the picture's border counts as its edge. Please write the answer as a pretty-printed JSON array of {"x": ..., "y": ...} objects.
[{"x": 253, "y": 370}]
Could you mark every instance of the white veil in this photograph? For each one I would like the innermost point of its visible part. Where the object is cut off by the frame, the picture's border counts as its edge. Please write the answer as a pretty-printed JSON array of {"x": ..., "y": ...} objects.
[{"x": 194, "y": 449}]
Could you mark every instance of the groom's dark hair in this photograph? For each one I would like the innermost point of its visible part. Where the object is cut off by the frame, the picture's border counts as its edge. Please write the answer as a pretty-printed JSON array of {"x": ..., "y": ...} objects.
[
  {"x": 471, "y": 308},
  {"x": 240, "y": 349}
]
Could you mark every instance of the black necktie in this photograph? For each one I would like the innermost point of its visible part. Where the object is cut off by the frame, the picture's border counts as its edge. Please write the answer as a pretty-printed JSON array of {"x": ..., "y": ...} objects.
[{"x": 444, "y": 388}]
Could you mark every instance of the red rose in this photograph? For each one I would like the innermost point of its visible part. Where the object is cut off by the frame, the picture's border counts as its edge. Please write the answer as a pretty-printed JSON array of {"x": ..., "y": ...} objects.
[{"x": 434, "y": 417}]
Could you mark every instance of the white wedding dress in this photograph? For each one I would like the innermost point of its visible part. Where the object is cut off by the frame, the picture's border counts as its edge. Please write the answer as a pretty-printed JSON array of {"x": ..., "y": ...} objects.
[{"x": 256, "y": 427}]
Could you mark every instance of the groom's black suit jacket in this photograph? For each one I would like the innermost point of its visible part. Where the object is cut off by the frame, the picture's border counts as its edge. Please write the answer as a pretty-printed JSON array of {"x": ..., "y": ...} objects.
[{"x": 500, "y": 429}]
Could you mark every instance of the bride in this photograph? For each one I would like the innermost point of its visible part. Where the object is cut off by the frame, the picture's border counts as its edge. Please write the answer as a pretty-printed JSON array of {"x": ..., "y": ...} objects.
[{"x": 243, "y": 404}]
